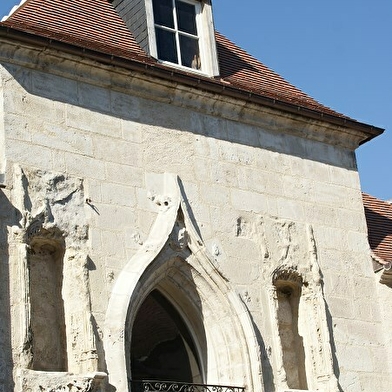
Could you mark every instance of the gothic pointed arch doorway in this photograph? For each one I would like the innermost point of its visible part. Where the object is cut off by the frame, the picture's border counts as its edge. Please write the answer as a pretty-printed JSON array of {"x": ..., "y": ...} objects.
[{"x": 175, "y": 262}]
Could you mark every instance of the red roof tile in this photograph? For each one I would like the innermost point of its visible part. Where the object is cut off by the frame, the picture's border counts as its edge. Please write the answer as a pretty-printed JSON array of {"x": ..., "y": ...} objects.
[
  {"x": 244, "y": 71},
  {"x": 95, "y": 25},
  {"x": 379, "y": 222},
  {"x": 92, "y": 24}
]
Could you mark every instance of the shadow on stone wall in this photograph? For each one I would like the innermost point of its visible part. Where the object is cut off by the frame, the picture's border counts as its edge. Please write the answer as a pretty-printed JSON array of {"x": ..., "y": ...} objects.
[
  {"x": 9, "y": 216},
  {"x": 335, "y": 362},
  {"x": 268, "y": 374},
  {"x": 129, "y": 105}
]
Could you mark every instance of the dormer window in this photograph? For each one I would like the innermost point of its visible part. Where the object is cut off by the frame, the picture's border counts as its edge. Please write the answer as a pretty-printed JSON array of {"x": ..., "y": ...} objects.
[{"x": 176, "y": 32}]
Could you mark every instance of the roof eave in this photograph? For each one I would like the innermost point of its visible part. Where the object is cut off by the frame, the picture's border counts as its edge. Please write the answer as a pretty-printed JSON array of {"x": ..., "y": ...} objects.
[{"x": 209, "y": 84}]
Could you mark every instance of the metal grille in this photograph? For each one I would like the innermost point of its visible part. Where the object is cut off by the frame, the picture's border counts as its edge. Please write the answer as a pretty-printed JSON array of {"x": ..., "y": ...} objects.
[{"x": 170, "y": 386}]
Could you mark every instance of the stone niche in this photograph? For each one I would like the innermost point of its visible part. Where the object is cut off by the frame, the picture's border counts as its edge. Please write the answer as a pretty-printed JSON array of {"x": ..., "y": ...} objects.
[
  {"x": 54, "y": 333},
  {"x": 301, "y": 354},
  {"x": 45, "y": 259},
  {"x": 288, "y": 293}
]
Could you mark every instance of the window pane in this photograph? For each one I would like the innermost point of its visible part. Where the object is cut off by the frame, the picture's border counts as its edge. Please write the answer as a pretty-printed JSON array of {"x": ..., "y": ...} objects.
[
  {"x": 163, "y": 13},
  {"x": 166, "y": 45},
  {"x": 190, "y": 56},
  {"x": 186, "y": 17}
]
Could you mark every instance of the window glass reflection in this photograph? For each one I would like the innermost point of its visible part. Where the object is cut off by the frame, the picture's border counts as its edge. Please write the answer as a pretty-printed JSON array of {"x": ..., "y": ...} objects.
[
  {"x": 163, "y": 13},
  {"x": 190, "y": 52},
  {"x": 176, "y": 31},
  {"x": 186, "y": 17},
  {"x": 166, "y": 44}
]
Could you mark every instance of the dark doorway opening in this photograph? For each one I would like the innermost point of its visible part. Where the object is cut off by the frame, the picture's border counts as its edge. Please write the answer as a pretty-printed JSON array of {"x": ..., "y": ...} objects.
[{"x": 161, "y": 346}]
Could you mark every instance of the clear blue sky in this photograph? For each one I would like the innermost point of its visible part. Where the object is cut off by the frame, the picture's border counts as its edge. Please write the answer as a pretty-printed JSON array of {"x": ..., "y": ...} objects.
[{"x": 337, "y": 51}]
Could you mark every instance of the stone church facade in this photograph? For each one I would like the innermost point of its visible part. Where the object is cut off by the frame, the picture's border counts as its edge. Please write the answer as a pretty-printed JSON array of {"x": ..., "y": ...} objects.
[{"x": 175, "y": 215}]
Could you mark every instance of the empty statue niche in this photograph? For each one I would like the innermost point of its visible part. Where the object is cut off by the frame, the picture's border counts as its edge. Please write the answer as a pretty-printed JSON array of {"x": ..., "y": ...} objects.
[
  {"x": 47, "y": 323},
  {"x": 288, "y": 294}
]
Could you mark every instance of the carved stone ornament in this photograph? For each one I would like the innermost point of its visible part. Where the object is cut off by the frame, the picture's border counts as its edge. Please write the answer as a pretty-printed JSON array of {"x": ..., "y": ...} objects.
[{"x": 178, "y": 239}]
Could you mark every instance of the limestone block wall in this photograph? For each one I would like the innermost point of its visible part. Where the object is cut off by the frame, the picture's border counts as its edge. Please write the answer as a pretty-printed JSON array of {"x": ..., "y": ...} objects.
[{"x": 86, "y": 149}]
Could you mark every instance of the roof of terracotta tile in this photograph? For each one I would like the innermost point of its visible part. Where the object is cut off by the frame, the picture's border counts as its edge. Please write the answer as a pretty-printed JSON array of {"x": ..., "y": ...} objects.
[
  {"x": 244, "y": 71},
  {"x": 379, "y": 222},
  {"x": 94, "y": 25}
]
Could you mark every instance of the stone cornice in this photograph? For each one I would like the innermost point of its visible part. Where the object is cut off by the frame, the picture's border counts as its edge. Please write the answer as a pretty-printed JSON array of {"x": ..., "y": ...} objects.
[{"x": 182, "y": 90}]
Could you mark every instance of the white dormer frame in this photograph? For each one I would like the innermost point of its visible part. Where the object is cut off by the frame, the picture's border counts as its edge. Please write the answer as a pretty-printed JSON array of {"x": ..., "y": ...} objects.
[{"x": 206, "y": 34}]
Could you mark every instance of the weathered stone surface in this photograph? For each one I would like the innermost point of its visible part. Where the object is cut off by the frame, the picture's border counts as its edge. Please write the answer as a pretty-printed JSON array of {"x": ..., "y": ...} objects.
[
  {"x": 62, "y": 382},
  {"x": 268, "y": 202}
]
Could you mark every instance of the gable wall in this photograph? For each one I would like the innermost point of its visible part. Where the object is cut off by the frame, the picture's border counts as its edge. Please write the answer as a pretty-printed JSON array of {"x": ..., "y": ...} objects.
[{"x": 244, "y": 184}]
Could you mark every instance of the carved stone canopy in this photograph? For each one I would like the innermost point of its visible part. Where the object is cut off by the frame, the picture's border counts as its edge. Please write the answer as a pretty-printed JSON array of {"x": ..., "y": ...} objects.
[{"x": 286, "y": 277}]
